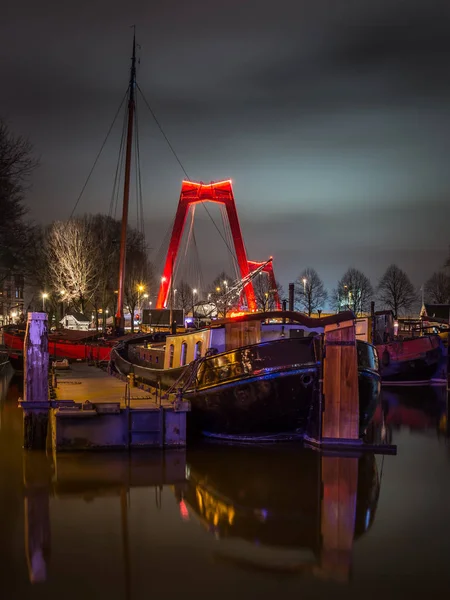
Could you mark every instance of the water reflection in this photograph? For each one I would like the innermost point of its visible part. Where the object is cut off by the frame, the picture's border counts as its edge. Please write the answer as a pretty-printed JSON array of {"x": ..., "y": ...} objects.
[
  {"x": 273, "y": 519},
  {"x": 283, "y": 509},
  {"x": 86, "y": 477},
  {"x": 420, "y": 409}
]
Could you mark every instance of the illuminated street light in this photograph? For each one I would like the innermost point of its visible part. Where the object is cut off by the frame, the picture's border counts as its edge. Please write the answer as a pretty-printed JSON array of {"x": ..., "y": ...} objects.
[{"x": 44, "y": 296}]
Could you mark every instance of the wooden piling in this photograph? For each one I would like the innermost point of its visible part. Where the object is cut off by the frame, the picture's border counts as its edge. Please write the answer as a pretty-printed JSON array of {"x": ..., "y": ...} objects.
[
  {"x": 340, "y": 419},
  {"x": 335, "y": 420},
  {"x": 35, "y": 374}
]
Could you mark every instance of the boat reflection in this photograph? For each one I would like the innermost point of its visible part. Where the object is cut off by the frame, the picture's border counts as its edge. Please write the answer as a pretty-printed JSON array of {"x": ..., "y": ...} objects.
[
  {"x": 419, "y": 409},
  {"x": 281, "y": 508}
]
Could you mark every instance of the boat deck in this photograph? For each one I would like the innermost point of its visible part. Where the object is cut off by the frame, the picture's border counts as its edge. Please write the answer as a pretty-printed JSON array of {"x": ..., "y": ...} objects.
[{"x": 82, "y": 383}]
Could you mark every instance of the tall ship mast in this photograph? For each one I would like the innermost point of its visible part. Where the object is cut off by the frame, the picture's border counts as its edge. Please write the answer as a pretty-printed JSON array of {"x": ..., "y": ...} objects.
[{"x": 119, "y": 317}]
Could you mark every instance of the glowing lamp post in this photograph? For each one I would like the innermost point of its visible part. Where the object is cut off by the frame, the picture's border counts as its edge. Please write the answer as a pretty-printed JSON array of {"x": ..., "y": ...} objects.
[
  {"x": 194, "y": 293},
  {"x": 140, "y": 290},
  {"x": 44, "y": 296}
]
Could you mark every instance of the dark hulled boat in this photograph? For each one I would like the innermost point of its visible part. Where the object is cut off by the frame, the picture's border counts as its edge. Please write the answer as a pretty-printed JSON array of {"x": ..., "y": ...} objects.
[{"x": 252, "y": 378}]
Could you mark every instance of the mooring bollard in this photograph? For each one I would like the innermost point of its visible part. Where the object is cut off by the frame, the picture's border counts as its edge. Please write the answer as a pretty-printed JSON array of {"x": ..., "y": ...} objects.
[{"x": 35, "y": 382}]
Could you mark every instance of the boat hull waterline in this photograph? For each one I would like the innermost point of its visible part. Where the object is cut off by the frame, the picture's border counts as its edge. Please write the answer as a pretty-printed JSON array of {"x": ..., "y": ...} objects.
[
  {"x": 262, "y": 391},
  {"x": 410, "y": 361}
]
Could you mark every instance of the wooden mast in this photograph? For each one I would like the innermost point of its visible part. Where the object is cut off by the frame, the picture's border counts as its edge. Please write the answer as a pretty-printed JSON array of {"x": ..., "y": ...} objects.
[{"x": 119, "y": 319}]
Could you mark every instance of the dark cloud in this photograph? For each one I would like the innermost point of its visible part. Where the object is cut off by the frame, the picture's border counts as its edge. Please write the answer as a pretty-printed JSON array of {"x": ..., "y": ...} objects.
[{"x": 330, "y": 117}]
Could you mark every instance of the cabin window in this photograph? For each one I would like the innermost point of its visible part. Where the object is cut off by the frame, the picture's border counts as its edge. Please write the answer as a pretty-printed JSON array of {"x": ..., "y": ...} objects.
[
  {"x": 183, "y": 354},
  {"x": 198, "y": 350},
  {"x": 171, "y": 353},
  {"x": 156, "y": 359}
]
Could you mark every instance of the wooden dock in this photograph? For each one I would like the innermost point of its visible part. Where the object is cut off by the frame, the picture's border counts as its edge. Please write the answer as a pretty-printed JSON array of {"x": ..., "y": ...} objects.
[
  {"x": 83, "y": 383},
  {"x": 94, "y": 410}
]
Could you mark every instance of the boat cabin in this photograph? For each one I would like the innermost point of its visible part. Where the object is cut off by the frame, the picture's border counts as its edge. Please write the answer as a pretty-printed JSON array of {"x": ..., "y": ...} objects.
[{"x": 181, "y": 349}]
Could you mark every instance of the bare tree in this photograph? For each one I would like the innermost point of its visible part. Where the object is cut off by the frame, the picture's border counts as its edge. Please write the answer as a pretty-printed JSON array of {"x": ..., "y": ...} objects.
[
  {"x": 16, "y": 167},
  {"x": 73, "y": 255},
  {"x": 354, "y": 291},
  {"x": 183, "y": 296},
  {"x": 395, "y": 290},
  {"x": 310, "y": 291},
  {"x": 139, "y": 275},
  {"x": 264, "y": 293},
  {"x": 437, "y": 288},
  {"x": 218, "y": 294}
]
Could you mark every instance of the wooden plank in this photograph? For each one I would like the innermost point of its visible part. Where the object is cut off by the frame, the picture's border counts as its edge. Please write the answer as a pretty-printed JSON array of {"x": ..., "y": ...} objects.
[{"x": 340, "y": 419}]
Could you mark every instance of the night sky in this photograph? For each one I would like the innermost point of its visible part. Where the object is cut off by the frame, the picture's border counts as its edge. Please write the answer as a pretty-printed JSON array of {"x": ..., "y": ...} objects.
[{"x": 331, "y": 118}]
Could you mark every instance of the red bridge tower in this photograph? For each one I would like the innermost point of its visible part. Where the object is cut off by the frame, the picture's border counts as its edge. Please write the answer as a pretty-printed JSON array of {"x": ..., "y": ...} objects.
[{"x": 192, "y": 193}]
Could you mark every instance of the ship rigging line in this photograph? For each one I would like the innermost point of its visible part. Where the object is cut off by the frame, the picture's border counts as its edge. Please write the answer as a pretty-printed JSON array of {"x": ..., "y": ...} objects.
[
  {"x": 183, "y": 169},
  {"x": 98, "y": 155}
]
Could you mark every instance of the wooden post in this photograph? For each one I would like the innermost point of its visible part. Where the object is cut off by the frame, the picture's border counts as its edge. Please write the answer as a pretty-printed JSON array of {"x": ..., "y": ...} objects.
[
  {"x": 334, "y": 419},
  {"x": 340, "y": 417},
  {"x": 337, "y": 516},
  {"x": 35, "y": 374}
]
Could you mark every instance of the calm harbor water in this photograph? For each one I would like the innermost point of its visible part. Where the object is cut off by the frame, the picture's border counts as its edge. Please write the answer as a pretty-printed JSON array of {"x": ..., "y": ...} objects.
[{"x": 222, "y": 521}]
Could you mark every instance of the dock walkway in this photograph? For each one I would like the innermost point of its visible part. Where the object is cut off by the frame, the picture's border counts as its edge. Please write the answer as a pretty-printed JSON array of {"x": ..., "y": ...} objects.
[
  {"x": 91, "y": 411},
  {"x": 82, "y": 383}
]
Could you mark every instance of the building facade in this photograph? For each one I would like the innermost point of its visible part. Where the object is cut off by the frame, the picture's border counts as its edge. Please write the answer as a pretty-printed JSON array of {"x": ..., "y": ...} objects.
[{"x": 11, "y": 298}]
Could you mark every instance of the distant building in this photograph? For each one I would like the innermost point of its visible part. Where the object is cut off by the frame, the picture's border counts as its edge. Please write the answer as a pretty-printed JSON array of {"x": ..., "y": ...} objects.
[
  {"x": 75, "y": 320},
  {"x": 11, "y": 298},
  {"x": 441, "y": 312}
]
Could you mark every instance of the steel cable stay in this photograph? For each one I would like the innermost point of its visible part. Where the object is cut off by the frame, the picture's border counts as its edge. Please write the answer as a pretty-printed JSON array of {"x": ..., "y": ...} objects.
[
  {"x": 119, "y": 169},
  {"x": 97, "y": 157},
  {"x": 182, "y": 168},
  {"x": 139, "y": 198}
]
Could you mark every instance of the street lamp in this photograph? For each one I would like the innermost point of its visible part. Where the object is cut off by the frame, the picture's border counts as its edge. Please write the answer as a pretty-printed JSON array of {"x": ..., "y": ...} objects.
[
  {"x": 304, "y": 284},
  {"x": 194, "y": 293},
  {"x": 44, "y": 296},
  {"x": 140, "y": 290}
]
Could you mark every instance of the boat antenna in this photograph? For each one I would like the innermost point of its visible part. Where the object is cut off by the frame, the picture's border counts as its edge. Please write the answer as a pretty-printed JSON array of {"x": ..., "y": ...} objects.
[{"x": 119, "y": 318}]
